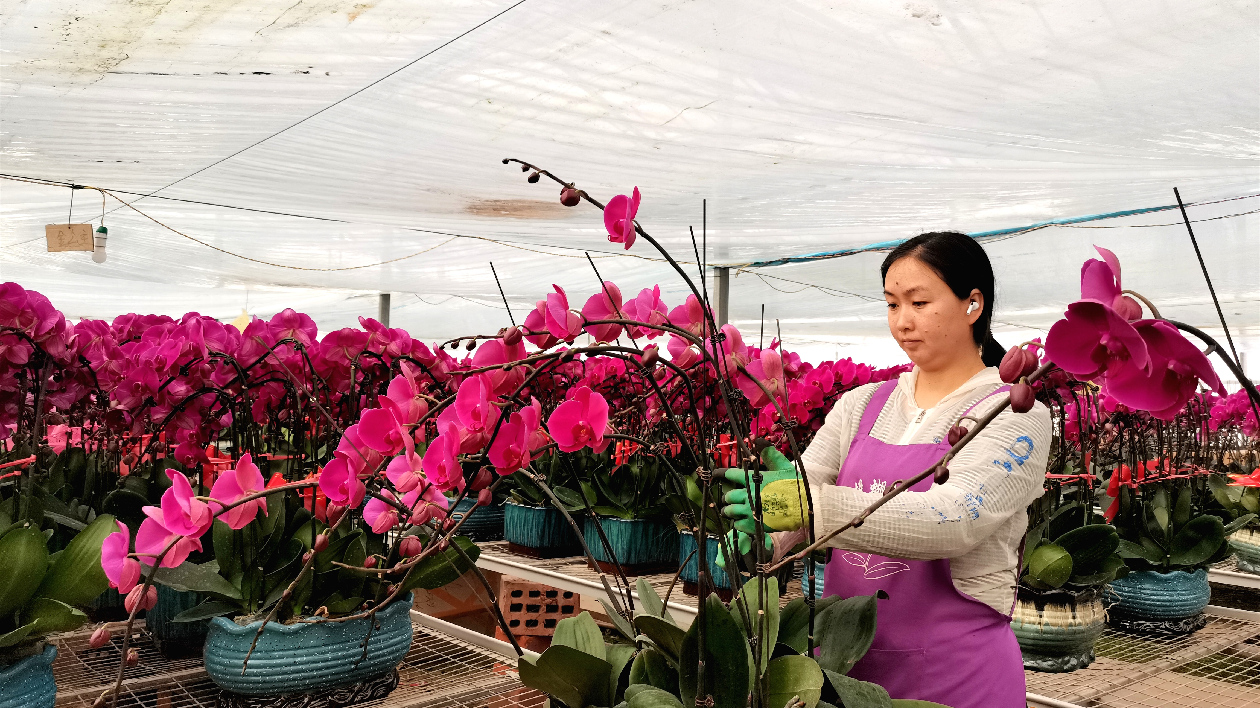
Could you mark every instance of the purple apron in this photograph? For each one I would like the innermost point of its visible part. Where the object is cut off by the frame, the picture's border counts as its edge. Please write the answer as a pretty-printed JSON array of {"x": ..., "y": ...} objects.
[{"x": 932, "y": 642}]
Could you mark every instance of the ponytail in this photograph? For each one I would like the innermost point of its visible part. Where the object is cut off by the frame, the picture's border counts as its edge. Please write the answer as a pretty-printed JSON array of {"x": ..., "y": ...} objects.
[{"x": 991, "y": 352}]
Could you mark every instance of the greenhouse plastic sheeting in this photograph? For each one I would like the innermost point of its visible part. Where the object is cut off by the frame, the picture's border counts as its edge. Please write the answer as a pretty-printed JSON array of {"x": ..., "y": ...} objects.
[{"x": 281, "y": 139}]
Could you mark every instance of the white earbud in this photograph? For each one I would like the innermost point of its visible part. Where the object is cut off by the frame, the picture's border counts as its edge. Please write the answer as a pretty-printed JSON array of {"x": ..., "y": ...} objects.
[{"x": 972, "y": 307}]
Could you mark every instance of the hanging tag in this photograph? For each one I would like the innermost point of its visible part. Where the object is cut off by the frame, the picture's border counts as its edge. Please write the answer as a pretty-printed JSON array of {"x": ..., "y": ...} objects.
[{"x": 68, "y": 237}]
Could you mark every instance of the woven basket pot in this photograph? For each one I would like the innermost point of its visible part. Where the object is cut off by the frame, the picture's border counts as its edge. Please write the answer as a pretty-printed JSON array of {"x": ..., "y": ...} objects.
[
  {"x": 485, "y": 525},
  {"x": 1057, "y": 630},
  {"x": 639, "y": 545},
  {"x": 176, "y": 639},
  {"x": 308, "y": 657},
  {"x": 28, "y": 683},
  {"x": 690, "y": 573},
  {"x": 539, "y": 531},
  {"x": 1148, "y": 601},
  {"x": 1246, "y": 545}
]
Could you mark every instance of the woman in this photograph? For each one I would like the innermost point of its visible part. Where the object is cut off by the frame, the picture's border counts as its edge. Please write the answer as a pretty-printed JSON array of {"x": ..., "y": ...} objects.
[{"x": 948, "y": 555}]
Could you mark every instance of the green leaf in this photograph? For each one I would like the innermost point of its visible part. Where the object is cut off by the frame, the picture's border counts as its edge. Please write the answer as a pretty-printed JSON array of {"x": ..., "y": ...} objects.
[
  {"x": 1089, "y": 546},
  {"x": 1129, "y": 549},
  {"x": 23, "y": 564},
  {"x": 75, "y": 576},
  {"x": 652, "y": 668},
  {"x": 227, "y": 548},
  {"x": 667, "y": 636},
  {"x": 443, "y": 567},
  {"x": 50, "y": 616},
  {"x": 649, "y": 697},
  {"x": 206, "y": 610},
  {"x": 764, "y": 618},
  {"x": 1239, "y": 523},
  {"x": 1050, "y": 564},
  {"x": 580, "y": 633},
  {"x": 1181, "y": 512},
  {"x": 1107, "y": 572},
  {"x": 191, "y": 577},
  {"x": 11, "y": 638},
  {"x": 1219, "y": 484},
  {"x": 618, "y": 621},
  {"x": 1161, "y": 517},
  {"x": 846, "y": 630},
  {"x": 1197, "y": 541},
  {"x": 858, "y": 694},
  {"x": 650, "y": 602},
  {"x": 794, "y": 621},
  {"x": 619, "y": 657},
  {"x": 726, "y": 658},
  {"x": 794, "y": 676},
  {"x": 572, "y": 677},
  {"x": 1033, "y": 539}
]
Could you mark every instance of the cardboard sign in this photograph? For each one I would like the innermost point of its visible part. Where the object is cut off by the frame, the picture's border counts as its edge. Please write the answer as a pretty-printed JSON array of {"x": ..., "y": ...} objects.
[{"x": 68, "y": 237}]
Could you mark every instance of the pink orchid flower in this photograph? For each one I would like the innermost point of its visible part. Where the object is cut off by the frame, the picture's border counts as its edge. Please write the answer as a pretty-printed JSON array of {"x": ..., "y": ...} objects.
[
  {"x": 690, "y": 316},
  {"x": 122, "y": 570},
  {"x": 426, "y": 503},
  {"x": 441, "y": 464},
  {"x": 1100, "y": 282},
  {"x": 768, "y": 369},
  {"x": 182, "y": 519},
  {"x": 405, "y": 393},
  {"x": 290, "y": 324},
  {"x": 731, "y": 352},
  {"x": 647, "y": 307},
  {"x": 619, "y": 218},
  {"x": 580, "y": 421},
  {"x": 682, "y": 353},
  {"x": 406, "y": 471},
  {"x": 495, "y": 353},
  {"x": 380, "y": 515},
  {"x": 1092, "y": 340},
  {"x": 604, "y": 305},
  {"x": 341, "y": 484},
  {"x": 474, "y": 404},
  {"x": 360, "y": 456},
  {"x": 1176, "y": 367},
  {"x": 234, "y": 484},
  {"x": 563, "y": 324},
  {"x": 536, "y": 324},
  {"x": 382, "y": 428},
  {"x": 512, "y": 449}
]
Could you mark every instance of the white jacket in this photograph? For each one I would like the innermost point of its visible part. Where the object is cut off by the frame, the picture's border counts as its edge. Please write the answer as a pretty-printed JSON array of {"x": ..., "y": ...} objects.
[{"x": 977, "y": 519}]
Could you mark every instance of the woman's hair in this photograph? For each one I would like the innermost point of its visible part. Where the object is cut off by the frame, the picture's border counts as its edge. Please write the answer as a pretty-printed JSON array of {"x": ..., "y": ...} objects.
[{"x": 964, "y": 266}]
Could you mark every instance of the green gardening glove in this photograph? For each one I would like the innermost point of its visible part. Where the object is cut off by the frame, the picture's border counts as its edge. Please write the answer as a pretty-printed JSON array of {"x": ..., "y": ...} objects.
[
  {"x": 782, "y": 496},
  {"x": 739, "y": 542}
]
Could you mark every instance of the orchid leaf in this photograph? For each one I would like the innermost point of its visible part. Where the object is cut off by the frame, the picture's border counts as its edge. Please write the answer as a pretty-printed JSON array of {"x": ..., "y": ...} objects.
[
  {"x": 650, "y": 602},
  {"x": 580, "y": 633},
  {"x": 846, "y": 630},
  {"x": 726, "y": 658},
  {"x": 652, "y": 668},
  {"x": 1239, "y": 523},
  {"x": 1198, "y": 541},
  {"x": 794, "y": 621},
  {"x": 667, "y": 636},
  {"x": 794, "y": 676},
  {"x": 651, "y": 697},
  {"x": 191, "y": 577},
  {"x": 853, "y": 693},
  {"x": 206, "y": 610},
  {"x": 572, "y": 677},
  {"x": 764, "y": 618},
  {"x": 618, "y": 621}
]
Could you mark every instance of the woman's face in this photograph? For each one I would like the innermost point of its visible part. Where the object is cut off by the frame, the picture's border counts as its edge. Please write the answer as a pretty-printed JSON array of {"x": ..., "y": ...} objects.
[{"x": 929, "y": 322}]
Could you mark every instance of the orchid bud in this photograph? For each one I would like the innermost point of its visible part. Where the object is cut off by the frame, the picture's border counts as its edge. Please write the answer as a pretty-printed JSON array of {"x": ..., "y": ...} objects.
[
  {"x": 442, "y": 544},
  {"x": 651, "y": 355},
  {"x": 471, "y": 345},
  {"x": 524, "y": 168},
  {"x": 941, "y": 474},
  {"x": 570, "y": 197},
  {"x": 129, "y": 459},
  {"x": 321, "y": 543},
  {"x": 369, "y": 562},
  {"x": 1022, "y": 398},
  {"x": 956, "y": 433},
  {"x": 533, "y": 178},
  {"x": 133, "y": 657},
  {"x": 448, "y": 523},
  {"x": 410, "y": 546},
  {"x": 138, "y": 596},
  {"x": 512, "y": 336},
  {"x": 100, "y": 637},
  {"x": 481, "y": 480},
  {"x": 306, "y": 557},
  {"x": 1012, "y": 366},
  {"x": 334, "y": 512},
  {"x": 54, "y": 418},
  {"x": 485, "y": 497}
]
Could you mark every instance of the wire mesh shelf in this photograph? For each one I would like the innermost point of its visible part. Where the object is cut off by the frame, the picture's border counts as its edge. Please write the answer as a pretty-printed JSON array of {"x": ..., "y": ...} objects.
[
  {"x": 438, "y": 672},
  {"x": 1215, "y": 667}
]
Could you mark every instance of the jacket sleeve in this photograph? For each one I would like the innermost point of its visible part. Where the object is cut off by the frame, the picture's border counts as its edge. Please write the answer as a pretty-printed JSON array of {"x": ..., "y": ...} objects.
[
  {"x": 826, "y": 452},
  {"x": 996, "y": 475}
]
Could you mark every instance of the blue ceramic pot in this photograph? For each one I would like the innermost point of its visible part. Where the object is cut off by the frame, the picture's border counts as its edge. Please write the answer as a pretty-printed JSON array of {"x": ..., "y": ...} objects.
[
  {"x": 635, "y": 542},
  {"x": 1056, "y": 630},
  {"x": 818, "y": 578},
  {"x": 690, "y": 572},
  {"x": 1246, "y": 545},
  {"x": 176, "y": 638},
  {"x": 29, "y": 683},
  {"x": 485, "y": 525},
  {"x": 301, "y": 657},
  {"x": 542, "y": 529},
  {"x": 1151, "y": 595}
]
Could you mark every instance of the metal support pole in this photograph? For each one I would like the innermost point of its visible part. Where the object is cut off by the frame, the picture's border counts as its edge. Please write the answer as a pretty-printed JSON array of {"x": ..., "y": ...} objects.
[
  {"x": 723, "y": 276},
  {"x": 382, "y": 309}
]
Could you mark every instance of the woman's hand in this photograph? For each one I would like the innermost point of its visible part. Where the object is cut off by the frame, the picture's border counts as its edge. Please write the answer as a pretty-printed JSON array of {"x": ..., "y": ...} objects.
[{"x": 782, "y": 496}]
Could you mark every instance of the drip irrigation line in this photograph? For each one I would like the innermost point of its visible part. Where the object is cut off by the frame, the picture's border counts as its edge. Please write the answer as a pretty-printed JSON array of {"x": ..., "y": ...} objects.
[{"x": 342, "y": 100}]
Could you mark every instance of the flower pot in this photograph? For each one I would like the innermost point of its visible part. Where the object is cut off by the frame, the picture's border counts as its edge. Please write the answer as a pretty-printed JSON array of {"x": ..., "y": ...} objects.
[
  {"x": 1246, "y": 545},
  {"x": 1148, "y": 601},
  {"x": 641, "y": 546},
  {"x": 1057, "y": 630},
  {"x": 485, "y": 525},
  {"x": 818, "y": 578},
  {"x": 28, "y": 682},
  {"x": 538, "y": 531},
  {"x": 324, "y": 658},
  {"x": 176, "y": 639},
  {"x": 690, "y": 572}
]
